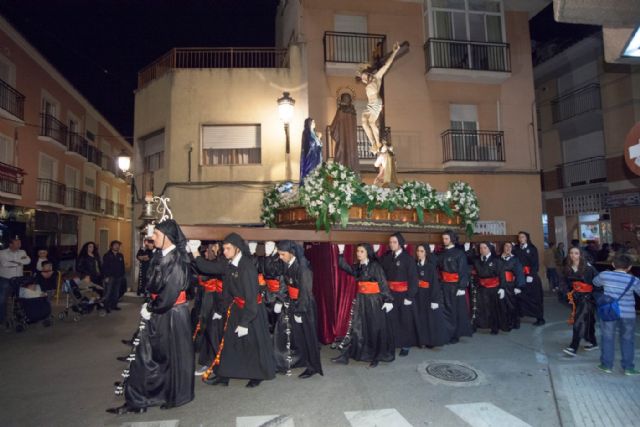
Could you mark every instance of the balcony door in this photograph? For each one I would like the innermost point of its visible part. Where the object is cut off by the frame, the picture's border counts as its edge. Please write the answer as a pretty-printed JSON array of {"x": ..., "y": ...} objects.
[
  {"x": 6, "y": 150},
  {"x": 464, "y": 135},
  {"x": 351, "y": 49}
]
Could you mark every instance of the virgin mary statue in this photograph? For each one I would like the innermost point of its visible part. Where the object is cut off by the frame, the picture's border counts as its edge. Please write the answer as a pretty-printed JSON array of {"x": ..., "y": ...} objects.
[{"x": 311, "y": 153}]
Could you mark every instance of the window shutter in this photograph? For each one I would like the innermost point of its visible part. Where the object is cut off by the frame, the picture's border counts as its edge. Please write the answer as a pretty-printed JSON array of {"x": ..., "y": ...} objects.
[{"x": 230, "y": 137}]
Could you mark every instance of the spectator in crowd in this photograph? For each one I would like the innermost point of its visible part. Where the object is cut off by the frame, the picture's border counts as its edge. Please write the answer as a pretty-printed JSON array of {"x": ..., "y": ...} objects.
[
  {"x": 35, "y": 303},
  {"x": 12, "y": 261},
  {"x": 615, "y": 283},
  {"x": 88, "y": 262},
  {"x": 42, "y": 255},
  {"x": 591, "y": 251},
  {"x": 47, "y": 278},
  {"x": 631, "y": 251},
  {"x": 559, "y": 254},
  {"x": 115, "y": 283},
  {"x": 550, "y": 265},
  {"x": 575, "y": 243},
  {"x": 144, "y": 256},
  {"x": 603, "y": 253}
]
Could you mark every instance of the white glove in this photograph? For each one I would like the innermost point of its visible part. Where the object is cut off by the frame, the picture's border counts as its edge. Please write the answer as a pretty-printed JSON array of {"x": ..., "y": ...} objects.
[
  {"x": 517, "y": 291},
  {"x": 146, "y": 314},
  {"x": 340, "y": 249},
  {"x": 407, "y": 302},
  {"x": 216, "y": 316},
  {"x": 434, "y": 306},
  {"x": 467, "y": 246},
  {"x": 150, "y": 229},
  {"x": 242, "y": 331},
  {"x": 277, "y": 307},
  {"x": 501, "y": 293},
  {"x": 252, "y": 247},
  {"x": 376, "y": 248},
  {"x": 387, "y": 306},
  {"x": 298, "y": 319},
  {"x": 460, "y": 292},
  {"x": 193, "y": 245},
  {"x": 269, "y": 247},
  {"x": 529, "y": 279},
  {"x": 432, "y": 247}
]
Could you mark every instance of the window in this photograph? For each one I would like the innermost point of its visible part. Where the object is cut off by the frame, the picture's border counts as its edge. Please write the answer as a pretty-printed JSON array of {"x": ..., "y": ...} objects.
[
  {"x": 90, "y": 136},
  {"x": 48, "y": 167},
  {"x": 153, "y": 151},
  {"x": 104, "y": 191},
  {"x": 71, "y": 177},
  {"x": 6, "y": 150},
  {"x": 464, "y": 135},
  {"x": 49, "y": 107},
  {"x": 231, "y": 145},
  {"x": 7, "y": 71},
  {"x": 472, "y": 20}
]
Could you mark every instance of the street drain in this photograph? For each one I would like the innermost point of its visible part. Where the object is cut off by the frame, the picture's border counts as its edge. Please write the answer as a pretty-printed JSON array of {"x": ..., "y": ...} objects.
[{"x": 451, "y": 372}]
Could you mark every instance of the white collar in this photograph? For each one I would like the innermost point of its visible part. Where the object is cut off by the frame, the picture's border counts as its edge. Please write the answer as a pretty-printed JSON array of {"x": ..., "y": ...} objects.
[
  {"x": 506, "y": 257},
  {"x": 524, "y": 246},
  {"x": 236, "y": 259},
  {"x": 421, "y": 262},
  {"x": 398, "y": 252},
  {"x": 167, "y": 250},
  {"x": 293, "y": 259},
  {"x": 451, "y": 246},
  {"x": 365, "y": 262},
  {"x": 486, "y": 257}
]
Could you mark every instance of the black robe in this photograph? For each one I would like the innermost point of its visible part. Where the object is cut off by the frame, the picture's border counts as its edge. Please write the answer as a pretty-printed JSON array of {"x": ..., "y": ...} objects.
[
  {"x": 456, "y": 308},
  {"x": 489, "y": 305},
  {"x": 511, "y": 277},
  {"x": 162, "y": 372},
  {"x": 434, "y": 330},
  {"x": 272, "y": 268},
  {"x": 530, "y": 301},
  {"x": 250, "y": 356},
  {"x": 584, "y": 306},
  {"x": 370, "y": 335},
  {"x": 402, "y": 268},
  {"x": 304, "y": 347}
]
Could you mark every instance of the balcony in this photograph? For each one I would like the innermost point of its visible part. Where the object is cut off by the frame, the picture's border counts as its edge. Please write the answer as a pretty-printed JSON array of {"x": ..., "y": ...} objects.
[
  {"x": 178, "y": 58},
  {"x": 364, "y": 147},
  {"x": 472, "y": 149},
  {"x": 74, "y": 198},
  {"x": 109, "y": 208},
  {"x": 466, "y": 61},
  {"x": 342, "y": 50},
  {"x": 11, "y": 102},
  {"x": 92, "y": 203},
  {"x": 584, "y": 172},
  {"x": 94, "y": 156},
  {"x": 53, "y": 130},
  {"x": 109, "y": 165},
  {"x": 580, "y": 101},
  {"x": 50, "y": 192},
  {"x": 119, "y": 210},
  {"x": 76, "y": 145},
  {"x": 11, "y": 178}
]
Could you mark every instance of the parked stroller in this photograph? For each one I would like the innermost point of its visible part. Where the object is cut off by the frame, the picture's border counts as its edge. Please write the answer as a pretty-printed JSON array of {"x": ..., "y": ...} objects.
[
  {"x": 80, "y": 301},
  {"x": 27, "y": 310}
]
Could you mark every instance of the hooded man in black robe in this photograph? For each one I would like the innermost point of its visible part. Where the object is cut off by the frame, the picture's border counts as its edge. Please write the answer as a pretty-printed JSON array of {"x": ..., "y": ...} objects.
[
  {"x": 402, "y": 277},
  {"x": 245, "y": 350},
  {"x": 161, "y": 373},
  {"x": 531, "y": 300},
  {"x": 295, "y": 335}
]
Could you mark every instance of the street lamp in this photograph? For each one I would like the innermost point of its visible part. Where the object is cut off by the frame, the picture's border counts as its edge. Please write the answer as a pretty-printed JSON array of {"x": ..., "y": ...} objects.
[
  {"x": 124, "y": 162},
  {"x": 285, "y": 109}
]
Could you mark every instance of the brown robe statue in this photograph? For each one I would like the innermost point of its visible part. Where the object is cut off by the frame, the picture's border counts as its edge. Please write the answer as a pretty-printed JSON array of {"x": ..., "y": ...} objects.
[{"x": 343, "y": 132}]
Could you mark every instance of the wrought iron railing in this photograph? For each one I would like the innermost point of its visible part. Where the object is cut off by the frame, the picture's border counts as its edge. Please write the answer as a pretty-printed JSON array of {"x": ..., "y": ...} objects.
[
  {"x": 77, "y": 144},
  {"x": 467, "y": 55},
  {"x": 11, "y": 178},
  {"x": 109, "y": 164},
  {"x": 364, "y": 147},
  {"x": 11, "y": 100},
  {"x": 92, "y": 203},
  {"x": 119, "y": 210},
  {"x": 109, "y": 207},
  {"x": 94, "y": 155},
  {"x": 231, "y": 57},
  {"x": 74, "y": 198},
  {"x": 579, "y": 101},
  {"x": 53, "y": 128},
  {"x": 352, "y": 48},
  {"x": 472, "y": 146},
  {"x": 586, "y": 171},
  {"x": 51, "y": 191}
]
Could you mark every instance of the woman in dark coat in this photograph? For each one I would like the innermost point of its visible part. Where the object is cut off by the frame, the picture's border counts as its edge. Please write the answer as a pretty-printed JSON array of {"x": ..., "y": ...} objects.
[
  {"x": 434, "y": 331},
  {"x": 370, "y": 334},
  {"x": 88, "y": 262},
  {"x": 531, "y": 299},
  {"x": 245, "y": 350},
  {"x": 512, "y": 279}
]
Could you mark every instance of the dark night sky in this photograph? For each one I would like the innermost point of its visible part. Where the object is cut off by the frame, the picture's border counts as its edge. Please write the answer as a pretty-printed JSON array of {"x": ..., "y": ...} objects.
[{"x": 100, "y": 45}]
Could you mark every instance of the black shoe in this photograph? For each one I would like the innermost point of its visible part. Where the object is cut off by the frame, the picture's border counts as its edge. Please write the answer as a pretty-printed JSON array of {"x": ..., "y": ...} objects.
[
  {"x": 124, "y": 409},
  {"x": 429, "y": 346},
  {"x": 224, "y": 381},
  {"x": 125, "y": 342},
  {"x": 164, "y": 406},
  {"x": 116, "y": 308},
  {"x": 342, "y": 359},
  {"x": 404, "y": 352},
  {"x": 122, "y": 358},
  {"x": 494, "y": 332},
  {"x": 373, "y": 364},
  {"x": 516, "y": 325},
  {"x": 308, "y": 373},
  {"x": 454, "y": 340},
  {"x": 253, "y": 383},
  {"x": 539, "y": 322},
  {"x": 117, "y": 383}
]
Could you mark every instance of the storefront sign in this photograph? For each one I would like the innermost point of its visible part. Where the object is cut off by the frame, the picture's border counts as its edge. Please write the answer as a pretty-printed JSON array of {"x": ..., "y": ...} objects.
[
  {"x": 632, "y": 149},
  {"x": 622, "y": 200}
]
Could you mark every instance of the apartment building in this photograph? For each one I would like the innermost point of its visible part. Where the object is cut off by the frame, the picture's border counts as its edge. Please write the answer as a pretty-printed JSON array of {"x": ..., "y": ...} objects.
[
  {"x": 586, "y": 108},
  {"x": 459, "y": 105},
  {"x": 59, "y": 186}
]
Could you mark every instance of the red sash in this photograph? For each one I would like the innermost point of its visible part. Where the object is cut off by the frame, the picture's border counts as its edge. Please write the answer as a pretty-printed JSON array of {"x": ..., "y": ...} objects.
[
  {"x": 399, "y": 286},
  {"x": 182, "y": 298},
  {"x": 489, "y": 282},
  {"x": 449, "y": 277},
  {"x": 509, "y": 276},
  {"x": 273, "y": 285},
  {"x": 240, "y": 301},
  {"x": 368, "y": 288},
  {"x": 424, "y": 284},
  {"x": 294, "y": 293},
  {"x": 527, "y": 270},
  {"x": 211, "y": 285},
  {"x": 582, "y": 287},
  {"x": 261, "y": 280}
]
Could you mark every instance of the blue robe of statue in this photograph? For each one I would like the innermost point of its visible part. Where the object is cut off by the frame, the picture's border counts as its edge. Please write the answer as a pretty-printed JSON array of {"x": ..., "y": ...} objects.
[{"x": 310, "y": 156}]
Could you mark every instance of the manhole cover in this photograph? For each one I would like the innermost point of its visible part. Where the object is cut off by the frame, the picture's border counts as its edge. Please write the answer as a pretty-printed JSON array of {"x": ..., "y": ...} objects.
[{"x": 451, "y": 372}]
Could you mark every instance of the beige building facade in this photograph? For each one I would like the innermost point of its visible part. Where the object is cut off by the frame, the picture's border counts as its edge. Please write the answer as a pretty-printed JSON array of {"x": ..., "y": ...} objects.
[
  {"x": 458, "y": 105},
  {"x": 59, "y": 186}
]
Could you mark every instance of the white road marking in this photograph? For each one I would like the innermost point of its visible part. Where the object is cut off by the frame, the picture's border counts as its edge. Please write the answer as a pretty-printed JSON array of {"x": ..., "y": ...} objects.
[
  {"x": 265, "y": 421},
  {"x": 376, "y": 418},
  {"x": 485, "y": 414},
  {"x": 161, "y": 423}
]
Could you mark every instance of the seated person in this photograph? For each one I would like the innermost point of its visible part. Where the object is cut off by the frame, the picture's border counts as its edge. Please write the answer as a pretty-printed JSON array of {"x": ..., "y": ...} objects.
[
  {"x": 87, "y": 293},
  {"x": 34, "y": 302},
  {"x": 47, "y": 278}
]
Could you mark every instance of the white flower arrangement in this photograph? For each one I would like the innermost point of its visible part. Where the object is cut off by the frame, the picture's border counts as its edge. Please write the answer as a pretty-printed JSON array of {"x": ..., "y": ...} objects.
[{"x": 464, "y": 201}]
